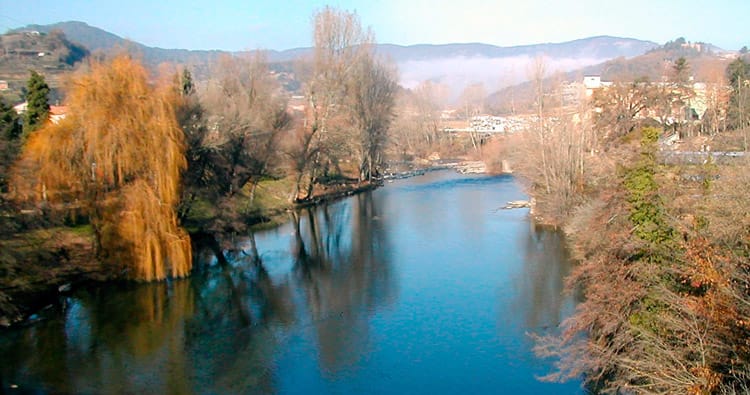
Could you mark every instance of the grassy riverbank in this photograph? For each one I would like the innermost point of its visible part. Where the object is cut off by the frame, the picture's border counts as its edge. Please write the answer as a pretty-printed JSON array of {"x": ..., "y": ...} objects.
[{"x": 40, "y": 264}]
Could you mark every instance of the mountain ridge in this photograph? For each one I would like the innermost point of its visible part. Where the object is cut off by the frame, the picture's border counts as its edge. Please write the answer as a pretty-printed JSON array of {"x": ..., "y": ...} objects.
[{"x": 95, "y": 38}]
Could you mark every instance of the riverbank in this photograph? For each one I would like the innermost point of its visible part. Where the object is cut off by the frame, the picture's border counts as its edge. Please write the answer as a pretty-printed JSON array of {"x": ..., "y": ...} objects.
[
  {"x": 672, "y": 240},
  {"x": 41, "y": 264},
  {"x": 44, "y": 264},
  {"x": 357, "y": 280},
  {"x": 52, "y": 262}
]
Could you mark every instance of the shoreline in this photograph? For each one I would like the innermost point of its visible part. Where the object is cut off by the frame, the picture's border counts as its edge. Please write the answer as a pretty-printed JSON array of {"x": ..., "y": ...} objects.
[{"x": 69, "y": 262}]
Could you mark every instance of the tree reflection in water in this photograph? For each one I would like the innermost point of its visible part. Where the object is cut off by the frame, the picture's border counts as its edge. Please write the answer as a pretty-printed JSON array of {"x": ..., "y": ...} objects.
[
  {"x": 342, "y": 263},
  {"x": 311, "y": 306},
  {"x": 541, "y": 297},
  {"x": 220, "y": 330}
]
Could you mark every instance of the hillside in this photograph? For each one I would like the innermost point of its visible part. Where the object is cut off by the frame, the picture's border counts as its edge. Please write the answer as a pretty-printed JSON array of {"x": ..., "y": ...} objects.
[
  {"x": 707, "y": 64},
  {"x": 96, "y": 39},
  {"x": 51, "y": 54},
  {"x": 492, "y": 65}
]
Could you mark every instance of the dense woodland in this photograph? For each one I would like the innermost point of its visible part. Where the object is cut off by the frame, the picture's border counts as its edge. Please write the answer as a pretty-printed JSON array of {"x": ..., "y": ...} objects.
[{"x": 144, "y": 160}]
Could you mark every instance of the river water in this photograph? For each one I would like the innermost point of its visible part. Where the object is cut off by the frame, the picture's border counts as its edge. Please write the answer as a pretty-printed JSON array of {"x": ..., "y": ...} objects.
[{"x": 420, "y": 287}]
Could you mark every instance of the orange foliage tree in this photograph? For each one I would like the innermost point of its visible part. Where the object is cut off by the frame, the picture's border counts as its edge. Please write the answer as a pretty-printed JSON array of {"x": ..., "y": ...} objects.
[{"x": 120, "y": 152}]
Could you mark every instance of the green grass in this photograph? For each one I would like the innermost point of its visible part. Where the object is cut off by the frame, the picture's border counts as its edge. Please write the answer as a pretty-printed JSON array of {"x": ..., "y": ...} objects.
[
  {"x": 80, "y": 230},
  {"x": 273, "y": 195}
]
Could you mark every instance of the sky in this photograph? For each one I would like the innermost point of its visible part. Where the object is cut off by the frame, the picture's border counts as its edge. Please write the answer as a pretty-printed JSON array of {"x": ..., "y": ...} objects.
[{"x": 278, "y": 24}]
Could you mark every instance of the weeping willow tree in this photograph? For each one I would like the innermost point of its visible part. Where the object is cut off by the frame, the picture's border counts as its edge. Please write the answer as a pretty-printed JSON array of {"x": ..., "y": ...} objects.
[{"x": 121, "y": 153}]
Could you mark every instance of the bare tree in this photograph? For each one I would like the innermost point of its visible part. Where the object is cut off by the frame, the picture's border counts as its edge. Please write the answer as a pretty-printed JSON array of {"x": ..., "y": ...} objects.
[
  {"x": 324, "y": 137},
  {"x": 373, "y": 90},
  {"x": 551, "y": 154},
  {"x": 538, "y": 72},
  {"x": 621, "y": 108},
  {"x": 245, "y": 111},
  {"x": 416, "y": 126},
  {"x": 472, "y": 101}
]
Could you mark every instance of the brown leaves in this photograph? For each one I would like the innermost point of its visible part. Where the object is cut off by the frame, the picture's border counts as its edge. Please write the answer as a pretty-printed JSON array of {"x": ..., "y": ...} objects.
[
  {"x": 121, "y": 151},
  {"x": 702, "y": 259}
]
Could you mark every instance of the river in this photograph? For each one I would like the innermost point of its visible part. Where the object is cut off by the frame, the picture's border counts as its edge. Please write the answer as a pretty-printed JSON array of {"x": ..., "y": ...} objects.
[{"x": 422, "y": 286}]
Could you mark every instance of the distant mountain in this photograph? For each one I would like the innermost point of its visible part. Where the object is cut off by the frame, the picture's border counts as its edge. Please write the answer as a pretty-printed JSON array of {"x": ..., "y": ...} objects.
[
  {"x": 458, "y": 65},
  {"x": 593, "y": 47},
  {"x": 95, "y": 38},
  {"x": 600, "y": 47},
  {"x": 452, "y": 64}
]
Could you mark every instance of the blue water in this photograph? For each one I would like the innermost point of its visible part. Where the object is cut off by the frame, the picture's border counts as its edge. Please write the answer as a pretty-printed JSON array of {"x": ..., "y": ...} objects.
[{"x": 420, "y": 287}]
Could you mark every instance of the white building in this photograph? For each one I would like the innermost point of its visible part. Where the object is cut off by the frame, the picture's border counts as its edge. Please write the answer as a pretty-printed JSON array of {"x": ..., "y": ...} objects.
[{"x": 594, "y": 82}]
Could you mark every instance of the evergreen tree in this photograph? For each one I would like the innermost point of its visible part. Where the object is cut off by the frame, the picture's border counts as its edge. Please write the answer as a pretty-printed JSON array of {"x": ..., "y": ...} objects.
[
  {"x": 37, "y": 110},
  {"x": 10, "y": 132},
  {"x": 187, "y": 83},
  {"x": 10, "y": 127},
  {"x": 681, "y": 69}
]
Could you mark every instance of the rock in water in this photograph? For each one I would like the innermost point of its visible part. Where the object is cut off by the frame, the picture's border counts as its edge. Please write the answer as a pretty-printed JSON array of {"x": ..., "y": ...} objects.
[
  {"x": 517, "y": 204},
  {"x": 474, "y": 167}
]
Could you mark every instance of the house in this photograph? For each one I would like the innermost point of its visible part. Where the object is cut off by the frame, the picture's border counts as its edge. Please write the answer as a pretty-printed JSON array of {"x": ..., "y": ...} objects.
[
  {"x": 594, "y": 82},
  {"x": 4, "y": 85},
  {"x": 446, "y": 115},
  {"x": 21, "y": 108},
  {"x": 698, "y": 103},
  {"x": 57, "y": 113}
]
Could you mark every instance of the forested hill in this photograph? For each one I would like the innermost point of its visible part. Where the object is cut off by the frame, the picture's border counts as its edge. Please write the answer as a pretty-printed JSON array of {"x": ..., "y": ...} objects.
[
  {"x": 96, "y": 39},
  {"x": 52, "y": 54}
]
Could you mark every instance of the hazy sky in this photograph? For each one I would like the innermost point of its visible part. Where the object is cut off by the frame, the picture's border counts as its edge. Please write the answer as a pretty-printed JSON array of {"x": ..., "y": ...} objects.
[{"x": 269, "y": 24}]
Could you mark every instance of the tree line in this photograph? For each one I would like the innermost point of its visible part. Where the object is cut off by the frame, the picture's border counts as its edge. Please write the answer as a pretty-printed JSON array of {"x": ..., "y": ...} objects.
[{"x": 143, "y": 155}]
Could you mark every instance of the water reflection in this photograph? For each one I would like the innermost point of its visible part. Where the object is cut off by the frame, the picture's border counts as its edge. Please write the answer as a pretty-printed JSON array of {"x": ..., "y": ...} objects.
[
  {"x": 541, "y": 297},
  {"x": 342, "y": 264},
  {"x": 223, "y": 325},
  {"x": 381, "y": 292},
  {"x": 105, "y": 336}
]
